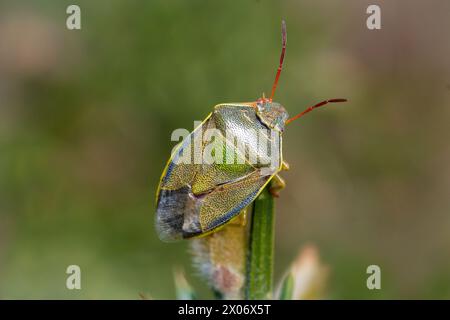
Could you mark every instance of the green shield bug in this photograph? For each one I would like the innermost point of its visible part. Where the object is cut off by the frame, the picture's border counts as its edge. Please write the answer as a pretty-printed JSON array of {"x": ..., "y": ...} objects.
[{"x": 195, "y": 195}]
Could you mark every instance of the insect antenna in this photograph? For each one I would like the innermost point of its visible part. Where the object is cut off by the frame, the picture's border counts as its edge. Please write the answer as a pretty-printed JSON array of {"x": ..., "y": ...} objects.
[
  {"x": 283, "y": 50},
  {"x": 320, "y": 104}
]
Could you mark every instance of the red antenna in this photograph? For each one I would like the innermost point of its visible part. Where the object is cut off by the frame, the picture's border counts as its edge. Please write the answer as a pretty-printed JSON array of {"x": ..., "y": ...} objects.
[
  {"x": 320, "y": 104},
  {"x": 283, "y": 50}
]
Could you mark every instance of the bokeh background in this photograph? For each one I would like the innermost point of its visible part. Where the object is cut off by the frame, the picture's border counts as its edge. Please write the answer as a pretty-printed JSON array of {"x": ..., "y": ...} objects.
[{"x": 86, "y": 118}]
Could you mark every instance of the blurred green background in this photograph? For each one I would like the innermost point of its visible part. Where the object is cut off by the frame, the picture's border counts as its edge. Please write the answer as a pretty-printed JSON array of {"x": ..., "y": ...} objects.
[{"x": 86, "y": 117}]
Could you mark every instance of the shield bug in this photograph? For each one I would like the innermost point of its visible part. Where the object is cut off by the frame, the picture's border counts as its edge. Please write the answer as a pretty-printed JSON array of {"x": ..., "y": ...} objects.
[{"x": 196, "y": 196}]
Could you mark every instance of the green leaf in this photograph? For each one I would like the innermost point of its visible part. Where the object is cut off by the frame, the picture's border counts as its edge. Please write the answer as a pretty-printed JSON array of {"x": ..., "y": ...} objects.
[
  {"x": 287, "y": 288},
  {"x": 259, "y": 273}
]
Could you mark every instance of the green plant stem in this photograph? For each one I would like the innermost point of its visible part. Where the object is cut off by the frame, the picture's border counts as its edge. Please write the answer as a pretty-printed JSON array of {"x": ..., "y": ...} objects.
[{"x": 259, "y": 275}]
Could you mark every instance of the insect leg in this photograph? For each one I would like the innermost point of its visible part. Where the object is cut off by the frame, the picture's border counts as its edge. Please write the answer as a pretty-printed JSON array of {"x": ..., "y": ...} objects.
[
  {"x": 241, "y": 219},
  {"x": 276, "y": 185}
]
